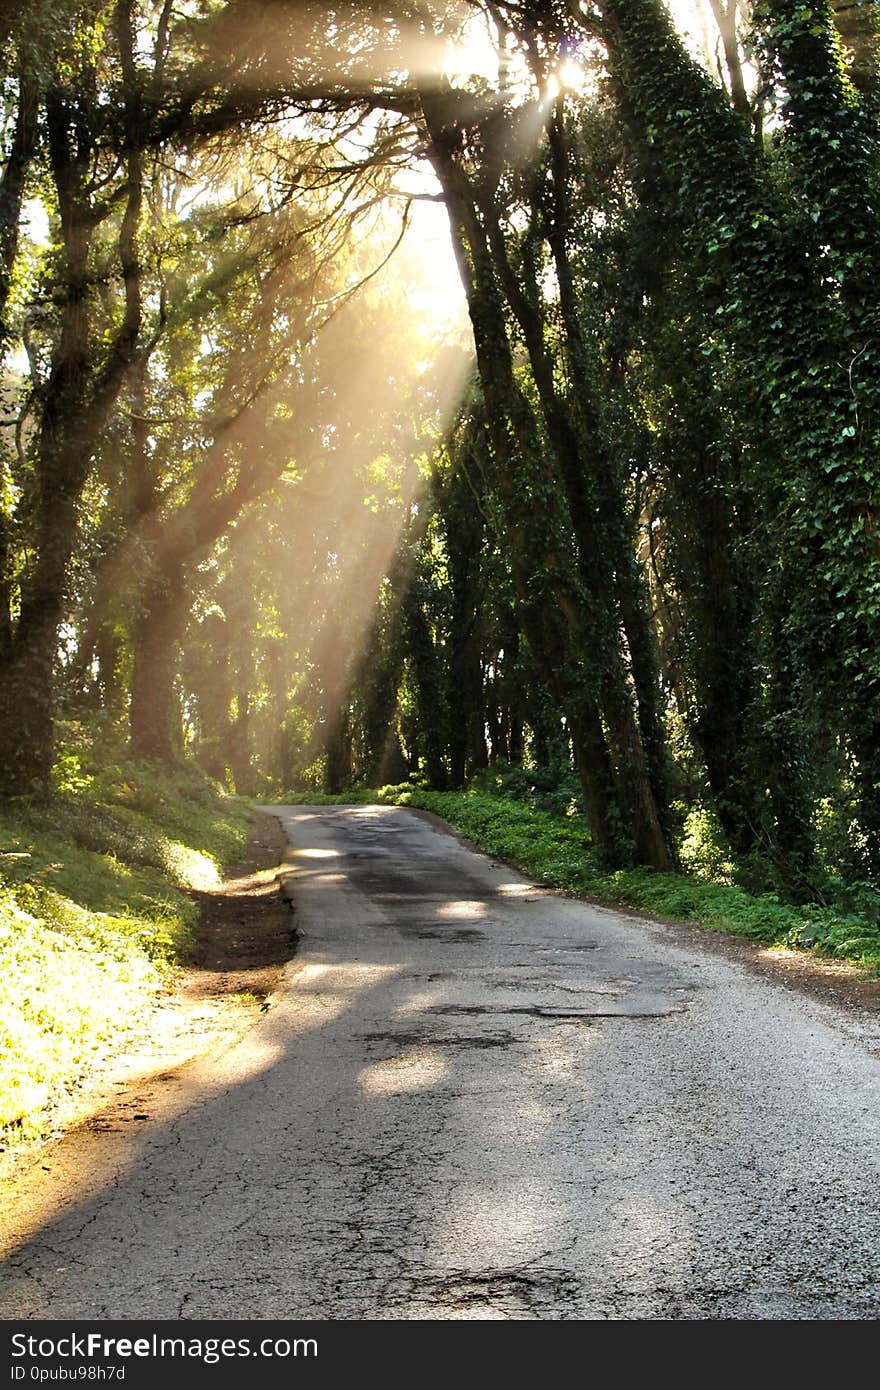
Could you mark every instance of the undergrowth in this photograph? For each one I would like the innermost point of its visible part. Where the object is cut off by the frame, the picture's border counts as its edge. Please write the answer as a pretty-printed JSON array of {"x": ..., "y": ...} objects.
[
  {"x": 95, "y": 909},
  {"x": 555, "y": 848}
]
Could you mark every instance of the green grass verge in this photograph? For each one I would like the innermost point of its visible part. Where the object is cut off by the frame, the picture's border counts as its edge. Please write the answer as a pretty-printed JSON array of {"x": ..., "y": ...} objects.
[
  {"x": 94, "y": 912},
  {"x": 555, "y": 849}
]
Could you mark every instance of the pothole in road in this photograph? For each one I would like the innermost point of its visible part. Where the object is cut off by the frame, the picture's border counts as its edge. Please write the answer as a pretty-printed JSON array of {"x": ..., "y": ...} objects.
[
  {"x": 499, "y": 1037},
  {"x": 459, "y": 934},
  {"x": 476, "y": 1040},
  {"x": 511, "y": 1288},
  {"x": 564, "y": 950},
  {"x": 547, "y": 1011}
]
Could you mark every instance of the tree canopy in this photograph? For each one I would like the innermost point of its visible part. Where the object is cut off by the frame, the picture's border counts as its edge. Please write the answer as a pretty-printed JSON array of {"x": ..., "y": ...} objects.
[{"x": 597, "y": 521}]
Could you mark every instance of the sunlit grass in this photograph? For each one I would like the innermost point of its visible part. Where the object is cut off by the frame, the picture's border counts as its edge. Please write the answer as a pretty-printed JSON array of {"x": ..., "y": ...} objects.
[
  {"x": 191, "y": 867},
  {"x": 62, "y": 994},
  {"x": 94, "y": 912}
]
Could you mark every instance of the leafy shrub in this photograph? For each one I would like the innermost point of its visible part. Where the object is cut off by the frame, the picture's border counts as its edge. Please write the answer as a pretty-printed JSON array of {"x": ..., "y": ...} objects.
[{"x": 548, "y": 788}]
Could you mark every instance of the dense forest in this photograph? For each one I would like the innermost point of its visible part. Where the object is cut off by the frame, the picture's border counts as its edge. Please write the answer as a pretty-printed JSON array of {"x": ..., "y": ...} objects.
[{"x": 603, "y": 536}]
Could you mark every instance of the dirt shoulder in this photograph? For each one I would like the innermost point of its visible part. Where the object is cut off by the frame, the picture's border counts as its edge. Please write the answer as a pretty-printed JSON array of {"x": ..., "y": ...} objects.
[
  {"x": 241, "y": 946},
  {"x": 243, "y": 941}
]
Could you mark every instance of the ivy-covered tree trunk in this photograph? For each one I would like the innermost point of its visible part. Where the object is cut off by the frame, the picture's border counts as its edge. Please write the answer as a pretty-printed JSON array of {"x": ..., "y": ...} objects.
[
  {"x": 644, "y": 768},
  {"x": 425, "y": 667},
  {"x": 464, "y": 532},
  {"x": 788, "y": 269},
  {"x": 12, "y": 182},
  {"x": 706, "y": 559},
  {"x": 858, "y": 24},
  {"x": 109, "y": 687},
  {"x": 207, "y": 671},
  {"x": 62, "y": 452},
  {"x": 537, "y": 529},
  {"x": 621, "y": 797},
  {"x": 377, "y": 676},
  {"x": 337, "y": 751},
  {"x": 722, "y": 655},
  {"x": 378, "y": 685},
  {"x": 240, "y": 759}
]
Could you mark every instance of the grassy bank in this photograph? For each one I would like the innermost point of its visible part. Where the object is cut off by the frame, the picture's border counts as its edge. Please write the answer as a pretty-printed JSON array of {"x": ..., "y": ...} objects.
[
  {"x": 94, "y": 913},
  {"x": 555, "y": 849}
]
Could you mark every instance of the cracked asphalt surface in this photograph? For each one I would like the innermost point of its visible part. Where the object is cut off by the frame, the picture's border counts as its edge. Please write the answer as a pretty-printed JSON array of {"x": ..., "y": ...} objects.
[{"x": 473, "y": 1098}]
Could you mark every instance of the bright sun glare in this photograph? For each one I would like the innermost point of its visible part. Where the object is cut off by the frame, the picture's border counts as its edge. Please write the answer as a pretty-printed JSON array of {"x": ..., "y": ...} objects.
[
  {"x": 472, "y": 54},
  {"x": 438, "y": 292}
]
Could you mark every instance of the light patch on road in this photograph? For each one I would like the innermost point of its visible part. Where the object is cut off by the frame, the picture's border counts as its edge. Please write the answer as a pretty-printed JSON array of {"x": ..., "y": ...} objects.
[
  {"x": 463, "y": 908},
  {"x": 413, "y": 1071},
  {"x": 418, "y": 1003},
  {"x": 326, "y": 992},
  {"x": 317, "y": 1010},
  {"x": 240, "y": 1064},
  {"x": 308, "y": 974},
  {"x": 315, "y": 854},
  {"x": 498, "y": 1228},
  {"x": 515, "y": 890},
  {"x": 346, "y": 975}
]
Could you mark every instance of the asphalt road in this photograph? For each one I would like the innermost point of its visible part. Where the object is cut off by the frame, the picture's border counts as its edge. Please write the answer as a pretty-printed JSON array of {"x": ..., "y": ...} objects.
[{"x": 475, "y": 1099}]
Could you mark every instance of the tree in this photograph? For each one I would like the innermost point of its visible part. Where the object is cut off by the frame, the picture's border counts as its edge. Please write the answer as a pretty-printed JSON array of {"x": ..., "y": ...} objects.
[{"x": 89, "y": 359}]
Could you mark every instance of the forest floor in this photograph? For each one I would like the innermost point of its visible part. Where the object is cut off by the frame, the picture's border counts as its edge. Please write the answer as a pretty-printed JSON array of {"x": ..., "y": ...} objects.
[{"x": 233, "y": 964}]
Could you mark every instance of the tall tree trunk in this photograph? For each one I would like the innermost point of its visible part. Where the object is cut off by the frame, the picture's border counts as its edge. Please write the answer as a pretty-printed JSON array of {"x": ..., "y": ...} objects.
[
  {"x": 155, "y": 728},
  {"x": 595, "y": 510},
  {"x": 858, "y": 25},
  {"x": 337, "y": 748},
  {"x": 547, "y": 590},
  {"x": 426, "y": 672},
  {"x": 240, "y": 759},
  {"x": 464, "y": 529},
  {"x": 645, "y": 767},
  {"x": 726, "y": 13}
]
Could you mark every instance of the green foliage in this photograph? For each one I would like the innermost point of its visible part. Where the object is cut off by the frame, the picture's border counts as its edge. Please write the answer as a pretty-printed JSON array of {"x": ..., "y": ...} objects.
[
  {"x": 703, "y": 851},
  {"x": 61, "y": 997},
  {"x": 95, "y": 909},
  {"x": 554, "y": 788}
]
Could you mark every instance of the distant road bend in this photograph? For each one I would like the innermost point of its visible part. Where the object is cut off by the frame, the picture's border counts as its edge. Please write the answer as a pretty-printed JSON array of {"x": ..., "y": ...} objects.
[{"x": 473, "y": 1098}]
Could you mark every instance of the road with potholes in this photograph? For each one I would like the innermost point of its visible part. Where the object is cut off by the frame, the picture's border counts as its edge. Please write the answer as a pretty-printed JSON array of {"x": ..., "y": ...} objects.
[{"x": 473, "y": 1098}]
